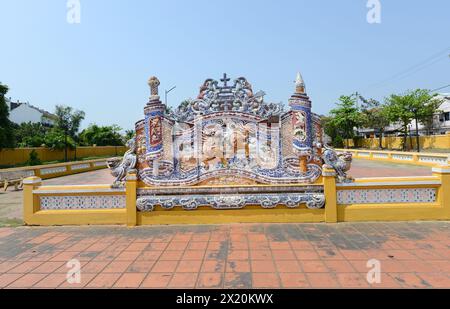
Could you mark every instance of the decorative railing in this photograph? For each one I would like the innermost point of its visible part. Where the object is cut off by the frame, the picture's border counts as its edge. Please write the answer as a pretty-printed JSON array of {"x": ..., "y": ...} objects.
[
  {"x": 365, "y": 199},
  {"x": 51, "y": 170},
  {"x": 73, "y": 205},
  {"x": 428, "y": 159}
]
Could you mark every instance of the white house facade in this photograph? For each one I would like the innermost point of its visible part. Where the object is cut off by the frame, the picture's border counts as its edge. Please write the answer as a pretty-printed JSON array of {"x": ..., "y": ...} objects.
[{"x": 20, "y": 112}]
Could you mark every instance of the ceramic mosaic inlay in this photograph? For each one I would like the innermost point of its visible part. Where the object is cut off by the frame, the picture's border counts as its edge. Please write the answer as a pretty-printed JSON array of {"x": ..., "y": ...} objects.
[
  {"x": 79, "y": 166},
  {"x": 53, "y": 170},
  {"x": 82, "y": 202},
  {"x": 402, "y": 157},
  {"x": 430, "y": 159},
  {"x": 385, "y": 196}
]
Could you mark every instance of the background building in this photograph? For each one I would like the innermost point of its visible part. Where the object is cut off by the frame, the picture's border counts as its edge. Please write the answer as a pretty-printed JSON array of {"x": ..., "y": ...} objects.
[{"x": 24, "y": 112}]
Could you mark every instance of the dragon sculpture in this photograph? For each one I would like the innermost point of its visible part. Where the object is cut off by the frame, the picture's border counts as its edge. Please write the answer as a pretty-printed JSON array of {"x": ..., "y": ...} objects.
[
  {"x": 119, "y": 168},
  {"x": 341, "y": 163}
]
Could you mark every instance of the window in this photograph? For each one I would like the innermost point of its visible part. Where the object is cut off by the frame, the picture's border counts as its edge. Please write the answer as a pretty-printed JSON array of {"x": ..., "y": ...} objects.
[{"x": 447, "y": 116}]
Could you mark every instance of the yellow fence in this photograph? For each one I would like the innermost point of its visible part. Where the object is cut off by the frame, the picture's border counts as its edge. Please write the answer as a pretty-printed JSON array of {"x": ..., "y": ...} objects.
[
  {"x": 51, "y": 170},
  {"x": 21, "y": 155},
  {"x": 415, "y": 158},
  {"x": 392, "y": 142},
  {"x": 369, "y": 199}
]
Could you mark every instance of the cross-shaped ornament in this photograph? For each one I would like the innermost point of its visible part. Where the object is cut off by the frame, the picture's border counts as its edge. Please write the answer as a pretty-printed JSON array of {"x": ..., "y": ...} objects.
[{"x": 225, "y": 79}]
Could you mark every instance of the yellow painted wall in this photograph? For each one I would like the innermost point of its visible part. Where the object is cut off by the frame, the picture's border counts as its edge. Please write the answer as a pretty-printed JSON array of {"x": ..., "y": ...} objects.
[
  {"x": 333, "y": 212},
  {"x": 21, "y": 155},
  {"x": 391, "y": 142}
]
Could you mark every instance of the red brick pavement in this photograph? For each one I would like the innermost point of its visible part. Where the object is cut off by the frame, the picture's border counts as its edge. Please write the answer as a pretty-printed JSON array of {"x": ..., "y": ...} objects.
[{"x": 412, "y": 255}]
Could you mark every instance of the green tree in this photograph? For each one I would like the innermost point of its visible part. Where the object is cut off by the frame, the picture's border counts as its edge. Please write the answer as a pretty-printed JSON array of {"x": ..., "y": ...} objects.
[
  {"x": 332, "y": 131},
  {"x": 68, "y": 122},
  {"x": 6, "y": 129},
  {"x": 375, "y": 116},
  {"x": 56, "y": 139},
  {"x": 33, "y": 158},
  {"x": 129, "y": 134},
  {"x": 418, "y": 105},
  {"x": 345, "y": 117},
  {"x": 102, "y": 135},
  {"x": 30, "y": 134}
]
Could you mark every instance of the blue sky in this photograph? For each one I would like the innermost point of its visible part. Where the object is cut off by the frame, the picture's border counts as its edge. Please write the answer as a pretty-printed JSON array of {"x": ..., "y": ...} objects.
[{"x": 102, "y": 65}]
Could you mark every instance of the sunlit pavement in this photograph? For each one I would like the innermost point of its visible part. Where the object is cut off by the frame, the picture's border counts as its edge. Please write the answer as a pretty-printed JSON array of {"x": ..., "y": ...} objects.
[{"x": 410, "y": 255}]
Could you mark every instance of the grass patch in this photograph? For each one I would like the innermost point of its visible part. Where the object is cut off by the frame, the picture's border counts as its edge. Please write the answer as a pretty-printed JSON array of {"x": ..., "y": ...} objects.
[{"x": 7, "y": 222}]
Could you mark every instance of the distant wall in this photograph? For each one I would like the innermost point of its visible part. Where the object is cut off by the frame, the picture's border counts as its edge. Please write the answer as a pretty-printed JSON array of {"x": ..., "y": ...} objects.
[
  {"x": 21, "y": 155},
  {"x": 391, "y": 142}
]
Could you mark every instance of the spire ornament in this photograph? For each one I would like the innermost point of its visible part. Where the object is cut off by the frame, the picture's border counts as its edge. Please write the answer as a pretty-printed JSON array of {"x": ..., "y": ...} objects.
[
  {"x": 153, "y": 83},
  {"x": 299, "y": 84}
]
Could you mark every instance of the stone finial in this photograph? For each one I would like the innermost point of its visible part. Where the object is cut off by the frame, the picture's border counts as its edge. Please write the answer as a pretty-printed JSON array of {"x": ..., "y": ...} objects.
[
  {"x": 299, "y": 84},
  {"x": 154, "y": 83}
]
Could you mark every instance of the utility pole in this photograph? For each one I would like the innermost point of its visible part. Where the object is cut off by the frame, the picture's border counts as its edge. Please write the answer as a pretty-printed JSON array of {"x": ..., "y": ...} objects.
[{"x": 166, "y": 92}]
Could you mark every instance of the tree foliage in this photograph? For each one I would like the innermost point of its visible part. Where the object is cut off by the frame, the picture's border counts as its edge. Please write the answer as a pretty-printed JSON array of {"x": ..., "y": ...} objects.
[
  {"x": 345, "y": 117},
  {"x": 375, "y": 116},
  {"x": 101, "y": 135},
  {"x": 6, "y": 129},
  {"x": 417, "y": 105},
  {"x": 68, "y": 120},
  {"x": 30, "y": 134}
]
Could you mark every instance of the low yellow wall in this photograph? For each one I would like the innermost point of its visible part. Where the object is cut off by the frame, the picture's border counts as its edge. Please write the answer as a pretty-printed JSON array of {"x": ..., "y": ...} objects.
[
  {"x": 391, "y": 142},
  {"x": 52, "y": 170},
  {"x": 417, "y": 198},
  {"x": 21, "y": 155},
  {"x": 414, "y": 158}
]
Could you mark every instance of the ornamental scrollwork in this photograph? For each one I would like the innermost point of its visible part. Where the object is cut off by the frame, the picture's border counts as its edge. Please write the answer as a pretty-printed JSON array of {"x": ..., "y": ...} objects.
[{"x": 222, "y": 202}]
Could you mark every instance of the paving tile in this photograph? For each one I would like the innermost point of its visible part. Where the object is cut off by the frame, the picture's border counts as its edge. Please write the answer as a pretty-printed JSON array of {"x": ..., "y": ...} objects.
[
  {"x": 51, "y": 281},
  {"x": 294, "y": 280},
  {"x": 409, "y": 280},
  {"x": 211, "y": 266},
  {"x": 117, "y": 266},
  {"x": 26, "y": 281},
  {"x": 165, "y": 266},
  {"x": 436, "y": 280},
  {"x": 339, "y": 266},
  {"x": 237, "y": 266},
  {"x": 141, "y": 266},
  {"x": 306, "y": 255},
  {"x": 352, "y": 280},
  {"x": 189, "y": 266},
  {"x": 265, "y": 280},
  {"x": 192, "y": 254},
  {"x": 241, "y": 280},
  {"x": 156, "y": 280},
  {"x": 314, "y": 267},
  {"x": 198, "y": 245},
  {"x": 94, "y": 266},
  {"x": 25, "y": 267},
  {"x": 6, "y": 279},
  {"x": 262, "y": 266},
  {"x": 283, "y": 254},
  {"x": 287, "y": 266},
  {"x": 130, "y": 280},
  {"x": 322, "y": 280},
  {"x": 261, "y": 255},
  {"x": 210, "y": 280},
  {"x": 47, "y": 267},
  {"x": 104, "y": 280},
  {"x": 238, "y": 255},
  {"x": 183, "y": 280}
]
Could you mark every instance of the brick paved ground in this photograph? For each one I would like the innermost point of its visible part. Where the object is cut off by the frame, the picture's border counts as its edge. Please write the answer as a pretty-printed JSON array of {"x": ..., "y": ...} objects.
[
  {"x": 412, "y": 255},
  {"x": 11, "y": 201}
]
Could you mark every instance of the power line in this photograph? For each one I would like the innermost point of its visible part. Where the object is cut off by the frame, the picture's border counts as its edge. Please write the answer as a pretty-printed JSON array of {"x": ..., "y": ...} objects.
[
  {"x": 413, "y": 69},
  {"x": 440, "y": 88}
]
